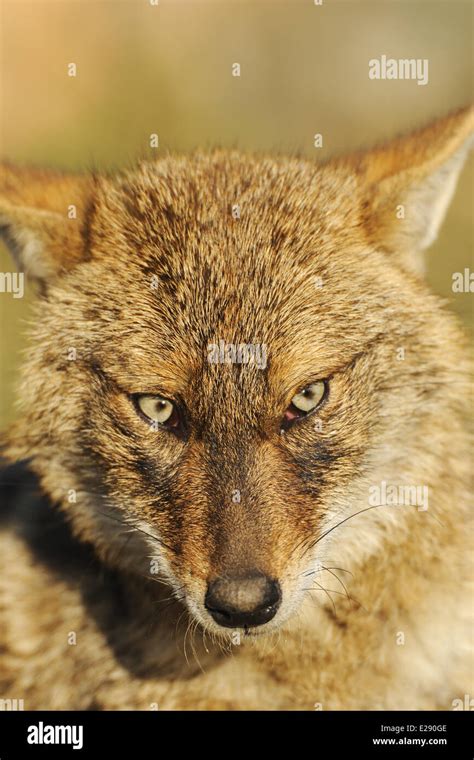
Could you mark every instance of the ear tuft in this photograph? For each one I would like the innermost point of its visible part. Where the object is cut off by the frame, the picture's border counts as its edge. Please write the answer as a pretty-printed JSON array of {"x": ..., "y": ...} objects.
[
  {"x": 42, "y": 215},
  {"x": 407, "y": 185}
]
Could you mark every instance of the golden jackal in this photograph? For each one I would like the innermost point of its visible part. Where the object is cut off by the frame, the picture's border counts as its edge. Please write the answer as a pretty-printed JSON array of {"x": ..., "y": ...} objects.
[{"x": 239, "y": 478}]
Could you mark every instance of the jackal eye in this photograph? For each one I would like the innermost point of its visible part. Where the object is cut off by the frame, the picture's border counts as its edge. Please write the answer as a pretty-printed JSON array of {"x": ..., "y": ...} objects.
[
  {"x": 158, "y": 409},
  {"x": 304, "y": 402}
]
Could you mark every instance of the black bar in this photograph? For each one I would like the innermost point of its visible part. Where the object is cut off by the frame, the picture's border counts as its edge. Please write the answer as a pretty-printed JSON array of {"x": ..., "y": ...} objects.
[{"x": 154, "y": 734}]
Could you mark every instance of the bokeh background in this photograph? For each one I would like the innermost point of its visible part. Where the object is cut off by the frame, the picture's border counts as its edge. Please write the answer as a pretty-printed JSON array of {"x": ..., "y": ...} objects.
[{"x": 166, "y": 68}]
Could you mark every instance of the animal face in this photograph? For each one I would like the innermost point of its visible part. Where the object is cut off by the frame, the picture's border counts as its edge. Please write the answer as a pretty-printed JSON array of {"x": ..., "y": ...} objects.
[{"x": 215, "y": 380}]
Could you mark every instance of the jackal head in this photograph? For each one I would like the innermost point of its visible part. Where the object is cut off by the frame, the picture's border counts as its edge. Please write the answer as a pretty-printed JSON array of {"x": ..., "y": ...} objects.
[{"x": 228, "y": 352}]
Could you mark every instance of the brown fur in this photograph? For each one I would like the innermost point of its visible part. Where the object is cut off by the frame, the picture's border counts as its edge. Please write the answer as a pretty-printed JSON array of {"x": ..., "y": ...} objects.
[{"x": 142, "y": 495}]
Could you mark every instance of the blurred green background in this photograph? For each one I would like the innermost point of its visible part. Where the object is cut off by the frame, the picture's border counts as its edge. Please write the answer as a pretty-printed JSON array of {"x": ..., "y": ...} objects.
[{"x": 167, "y": 69}]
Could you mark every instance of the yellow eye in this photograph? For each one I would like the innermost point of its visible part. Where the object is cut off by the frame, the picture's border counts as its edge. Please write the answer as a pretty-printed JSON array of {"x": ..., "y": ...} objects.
[
  {"x": 304, "y": 402},
  {"x": 309, "y": 398},
  {"x": 157, "y": 409}
]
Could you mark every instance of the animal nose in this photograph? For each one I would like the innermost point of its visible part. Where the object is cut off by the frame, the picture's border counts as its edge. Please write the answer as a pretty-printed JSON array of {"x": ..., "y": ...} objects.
[{"x": 242, "y": 602}]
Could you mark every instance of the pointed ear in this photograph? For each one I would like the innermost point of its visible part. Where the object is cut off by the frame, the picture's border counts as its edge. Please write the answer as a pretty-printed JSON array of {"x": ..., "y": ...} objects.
[
  {"x": 43, "y": 219},
  {"x": 408, "y": 184}
]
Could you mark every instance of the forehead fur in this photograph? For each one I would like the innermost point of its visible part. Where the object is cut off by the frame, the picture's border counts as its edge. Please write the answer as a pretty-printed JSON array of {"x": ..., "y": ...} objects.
[{"x": 232, "y": 247}]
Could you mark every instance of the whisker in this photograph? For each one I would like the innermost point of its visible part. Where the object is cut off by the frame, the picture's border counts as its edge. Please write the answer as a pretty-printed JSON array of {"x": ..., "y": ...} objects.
[
  {"x": 346, "y": 519},
  {"x": 338, "y": 579},
  {"x": 193, "y": 646},
  {"x": 326, "y": 591},
  {"x": 342, "y": 570}
]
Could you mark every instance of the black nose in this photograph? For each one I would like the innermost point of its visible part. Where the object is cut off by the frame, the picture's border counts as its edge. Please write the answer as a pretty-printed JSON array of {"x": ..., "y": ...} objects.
[{"x": 242, "y": 602}]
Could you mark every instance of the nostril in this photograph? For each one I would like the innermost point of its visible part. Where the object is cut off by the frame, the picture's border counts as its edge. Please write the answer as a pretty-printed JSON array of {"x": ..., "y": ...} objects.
[
  {"x": 273, "y": 593},
  {"x": 244, "y": 601}
]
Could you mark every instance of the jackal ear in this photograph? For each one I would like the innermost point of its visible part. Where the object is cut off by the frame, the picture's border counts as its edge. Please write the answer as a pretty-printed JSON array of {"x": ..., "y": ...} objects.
[
  {"x": 42, "y": 219},
  {"x": 408, "y": 184}
]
